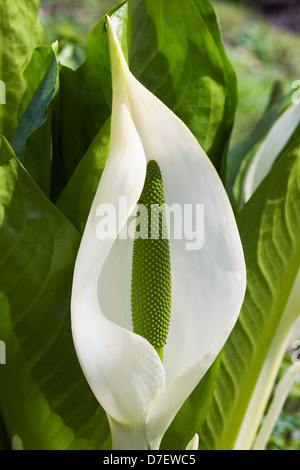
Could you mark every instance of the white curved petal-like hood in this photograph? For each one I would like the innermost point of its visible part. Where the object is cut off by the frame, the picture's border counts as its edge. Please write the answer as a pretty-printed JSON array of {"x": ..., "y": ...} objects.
[
  {"x": 140, "y": 395},
  {"x": 270, "y": 148}
]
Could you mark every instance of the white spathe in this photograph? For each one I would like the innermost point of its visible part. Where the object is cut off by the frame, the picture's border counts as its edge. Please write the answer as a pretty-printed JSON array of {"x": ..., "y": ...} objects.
[
  {"x": 140, "y": 394},
  {"x": 270, "y": 148}
]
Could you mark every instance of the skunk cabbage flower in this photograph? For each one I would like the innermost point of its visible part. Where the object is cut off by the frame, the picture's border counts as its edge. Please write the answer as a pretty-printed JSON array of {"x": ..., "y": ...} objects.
[{"x": 200, "y": 284}]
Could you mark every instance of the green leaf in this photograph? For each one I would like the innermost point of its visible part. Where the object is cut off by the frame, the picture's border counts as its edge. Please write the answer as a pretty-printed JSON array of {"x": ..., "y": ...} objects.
[
  {"x": 241, "y": 155},
  {"x": 41, "y": 78},
  {"x": 193, "y": 412},
  {"x": 37, "y": 158},
  {"x": 269, "y": 226},
  {"x": 76, "y": 199},
  {"x": 277, "y": 93},
  {"x": 44, "y": 398},
  {"x": 20, "y": 32},
  {"x": 70, "y": 137},
  {"x": 177, "y": 53}
]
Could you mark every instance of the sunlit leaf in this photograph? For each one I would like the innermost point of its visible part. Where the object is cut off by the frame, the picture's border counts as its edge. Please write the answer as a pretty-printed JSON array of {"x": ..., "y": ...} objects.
[
  {"x": 177, "y": 53},
  {"x": 31, "y": 141},
  {"x": 269, "y": 225},
  {"x": 44, "y": 398}
]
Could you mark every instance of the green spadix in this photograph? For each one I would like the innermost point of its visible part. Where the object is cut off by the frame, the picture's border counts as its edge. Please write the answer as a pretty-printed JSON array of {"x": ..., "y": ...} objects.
[{"x": 151, "y": 265}]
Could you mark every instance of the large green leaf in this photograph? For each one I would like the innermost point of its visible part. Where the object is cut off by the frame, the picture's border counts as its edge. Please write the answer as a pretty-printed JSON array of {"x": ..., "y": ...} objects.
[
  {"x": 31, "y": 141},
  {"x": 20, "y": 32},
  {"x": 269, "y": 225},
  {"x": 40, "y": 76},
  {"x": 37, "y": 158},
  {"x": 44, "y": 398},
  {"x": 70, "y": 139},
  {"x": 76, "y": 199},
  {"x": 176, "y": 51}
]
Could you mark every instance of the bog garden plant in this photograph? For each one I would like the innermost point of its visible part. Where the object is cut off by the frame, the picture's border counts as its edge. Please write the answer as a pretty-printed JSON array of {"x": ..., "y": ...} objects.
[{"x": 149, "y": 283}]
